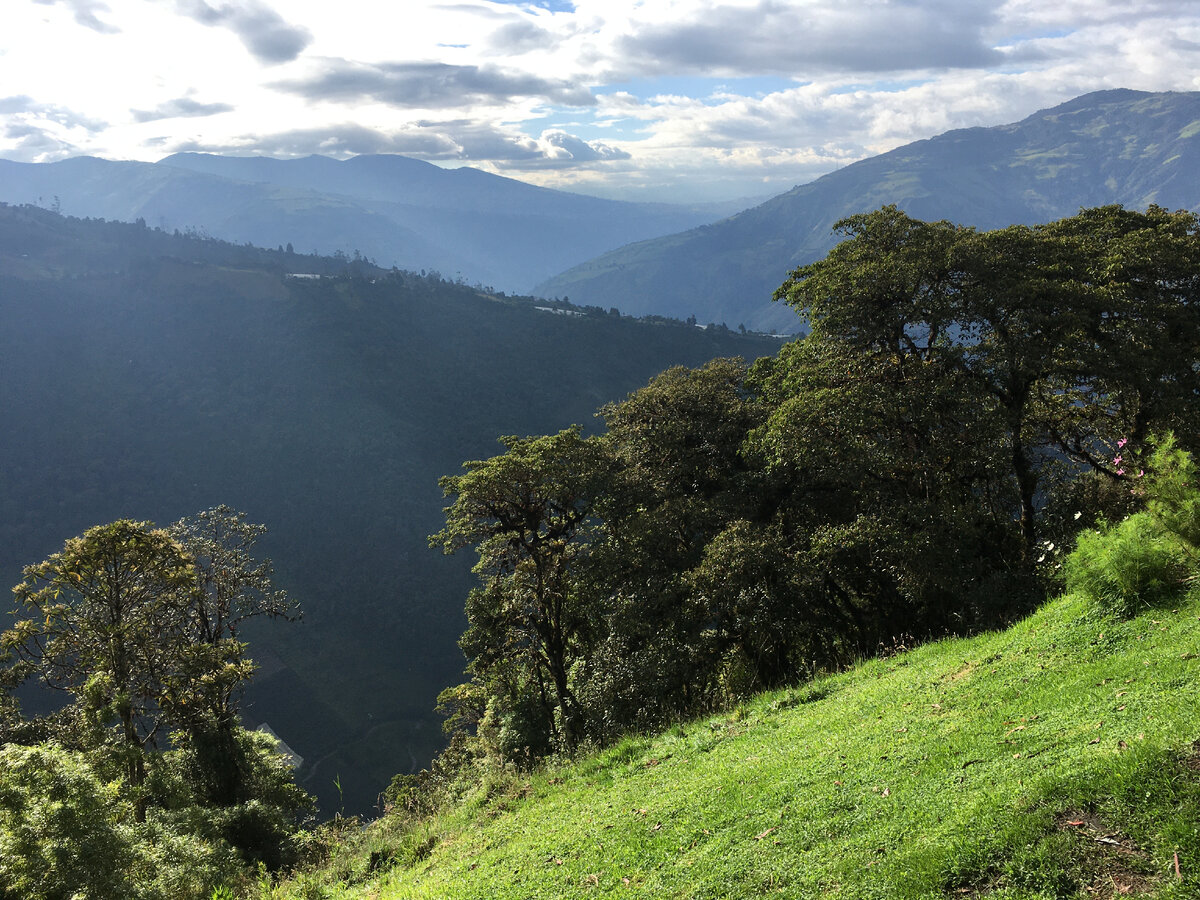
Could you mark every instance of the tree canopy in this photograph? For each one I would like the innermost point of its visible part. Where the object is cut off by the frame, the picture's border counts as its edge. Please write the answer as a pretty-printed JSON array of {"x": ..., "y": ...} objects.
[
  {"x": 148, "y": 766},
  {"x": 897, "y": 473}
]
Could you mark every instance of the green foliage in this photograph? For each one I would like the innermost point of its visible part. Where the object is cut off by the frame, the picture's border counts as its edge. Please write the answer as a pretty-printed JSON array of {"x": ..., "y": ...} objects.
[
  {"x": 1148, "y": 558},
  {"x": 62, "y": 829},
  {"x": 139, "y": 625},
  {"x": 260, "y": 824},
  {"x": 1127, "y": 567},
  {"x": 528, "y": 509},
  {"x": 105, "y": 620},
  {"x": 1173, "y": 490}
]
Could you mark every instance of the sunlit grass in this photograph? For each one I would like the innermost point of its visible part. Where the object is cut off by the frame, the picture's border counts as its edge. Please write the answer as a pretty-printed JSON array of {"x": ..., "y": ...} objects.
[{"x": 1051, "y": 760}]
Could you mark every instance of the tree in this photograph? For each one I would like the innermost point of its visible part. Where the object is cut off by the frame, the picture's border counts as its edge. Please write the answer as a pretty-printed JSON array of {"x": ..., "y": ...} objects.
[
  {"x": 1136, "y": 371},
  {"x": 888, "y": 493},
  {"x": 141, "y": 625},
  {"x": 679, "y": 479},
  {"x": 229, "y": 587},
  {"x": 106, "y": 622},
  {"x": 527, "y": 511},
  {"x": 1070, "y": 332}
]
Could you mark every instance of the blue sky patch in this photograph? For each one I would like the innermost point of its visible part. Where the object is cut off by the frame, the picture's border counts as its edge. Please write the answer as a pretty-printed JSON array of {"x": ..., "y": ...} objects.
[{"x": 548, "y": 5}]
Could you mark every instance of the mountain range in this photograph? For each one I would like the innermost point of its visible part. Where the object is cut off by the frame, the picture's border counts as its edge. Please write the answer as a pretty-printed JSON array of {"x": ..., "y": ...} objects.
[
  {"x": 1119, "y": 146},
  {"x": 464, "y": 223}
]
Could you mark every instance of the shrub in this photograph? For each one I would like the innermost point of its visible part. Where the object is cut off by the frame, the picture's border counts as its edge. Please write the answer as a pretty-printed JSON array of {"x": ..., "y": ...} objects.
[
  {"x": 1173, "y": 489},
  {"x": 1127, "y": 567},
  {"x": 60, "y": 828}
]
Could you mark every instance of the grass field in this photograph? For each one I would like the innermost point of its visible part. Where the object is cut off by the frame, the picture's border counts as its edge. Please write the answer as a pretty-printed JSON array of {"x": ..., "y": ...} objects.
[{"x": 1052, "y": 760}]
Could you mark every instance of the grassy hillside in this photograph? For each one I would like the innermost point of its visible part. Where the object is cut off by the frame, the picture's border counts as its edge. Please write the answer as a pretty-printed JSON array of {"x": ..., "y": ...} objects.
[{"x": 1055, "y": 759}]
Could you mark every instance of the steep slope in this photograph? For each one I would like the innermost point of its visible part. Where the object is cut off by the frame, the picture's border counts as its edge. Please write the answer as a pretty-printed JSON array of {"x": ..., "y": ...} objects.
[
  {"x": 1055, "y": 759},
  {"x": 151, "y": 376},
  {"x": 1123, "y": 147},
  {"x": 398, "y": 211}
]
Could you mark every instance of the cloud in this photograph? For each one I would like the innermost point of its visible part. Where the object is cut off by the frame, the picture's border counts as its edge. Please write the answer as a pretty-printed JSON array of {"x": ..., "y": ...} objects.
[
  {"x": 431, "y": 85},
  {"x": 567, "y": 149},
  {"x": 181, "y": 107},
  {"x": 25, "y": 110},
  {"x": 457, "y": 140},
  {"x": 802, "y": 40},
  {"x": 262, "y": 30},
  {"x": 32, "y": 143},
  {"x": 338, "y": 140},
  {"x": 16, "y": 104},
  {"x": 521, "y": 36},
  {"x": 85, "y": 13}
]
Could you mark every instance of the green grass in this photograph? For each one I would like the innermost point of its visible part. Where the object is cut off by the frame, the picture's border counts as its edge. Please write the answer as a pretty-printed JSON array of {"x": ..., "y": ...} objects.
[{"x": 1051, "y": 760}]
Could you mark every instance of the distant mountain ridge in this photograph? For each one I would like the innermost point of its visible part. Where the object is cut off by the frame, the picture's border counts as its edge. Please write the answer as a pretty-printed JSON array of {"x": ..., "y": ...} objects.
[
  {"x": 1119, "y": 146},
  {"x": 465, "y": 223}
]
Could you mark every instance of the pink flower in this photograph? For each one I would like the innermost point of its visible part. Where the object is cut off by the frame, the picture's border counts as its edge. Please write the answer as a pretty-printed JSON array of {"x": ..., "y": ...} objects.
[
  {"x": 1141, "y": 473},
  {"x": 1117, "y": 460},
  {"x": 1120, "y": 471},
  {"x": 1122, "y": 442}
]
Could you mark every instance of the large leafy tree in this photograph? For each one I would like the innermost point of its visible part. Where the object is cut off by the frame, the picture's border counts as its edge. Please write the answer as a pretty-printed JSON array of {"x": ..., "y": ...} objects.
[
  {"x": 1069, "y": 333},
  {"x": 141, "y": 626},
  {"x": 679, "y": 480},
  {"x": 1136, "y": 369},
  {"x": 229, "y": 587},
  {"x": 527, "y": 512},
  {"x": 106, "y": 621},
  {"x": 883, "y": 476}
]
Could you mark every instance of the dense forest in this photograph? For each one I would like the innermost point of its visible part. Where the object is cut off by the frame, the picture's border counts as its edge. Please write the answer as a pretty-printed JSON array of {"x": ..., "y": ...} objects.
[{"x": 965, "y": 403}]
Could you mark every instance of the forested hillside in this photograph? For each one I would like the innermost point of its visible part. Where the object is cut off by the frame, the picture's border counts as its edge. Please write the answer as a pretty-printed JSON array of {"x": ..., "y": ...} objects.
[
  {"x": 398, "y": 211},
  {"x": 151, "y": 376}
]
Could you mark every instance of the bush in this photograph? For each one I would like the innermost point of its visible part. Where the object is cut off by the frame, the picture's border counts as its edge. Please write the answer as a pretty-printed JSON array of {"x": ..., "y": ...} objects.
[
  {"x": 61, "y": 833},
  {"x": 1173, "y": 488},
  {"x": 1128, "y": 567}
]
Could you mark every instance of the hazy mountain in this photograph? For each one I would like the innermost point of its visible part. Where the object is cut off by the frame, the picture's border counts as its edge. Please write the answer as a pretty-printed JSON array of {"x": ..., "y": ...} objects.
[
  {"x": 1123, "y": 147},
  {"x": 464, "y": 223},
  {"x": 151, "y": 376}
]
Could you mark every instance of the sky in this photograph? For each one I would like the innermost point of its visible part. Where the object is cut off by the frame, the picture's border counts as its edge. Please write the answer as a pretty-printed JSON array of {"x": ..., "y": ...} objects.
[{"x": 675, "y": 100}]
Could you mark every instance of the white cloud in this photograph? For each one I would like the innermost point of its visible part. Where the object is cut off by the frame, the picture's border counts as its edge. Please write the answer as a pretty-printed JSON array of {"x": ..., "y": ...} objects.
[{"x": 733, "y": 96}]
